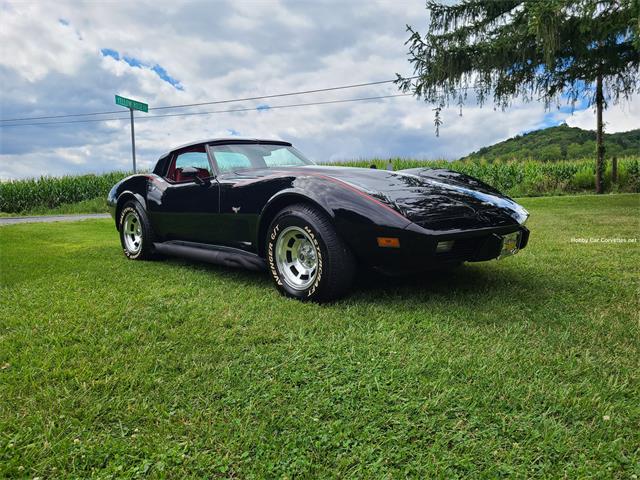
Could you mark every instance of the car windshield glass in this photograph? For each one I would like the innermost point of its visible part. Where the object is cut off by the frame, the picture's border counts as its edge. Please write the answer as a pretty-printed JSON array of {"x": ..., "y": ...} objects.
[{"x": 232, "y": 158}]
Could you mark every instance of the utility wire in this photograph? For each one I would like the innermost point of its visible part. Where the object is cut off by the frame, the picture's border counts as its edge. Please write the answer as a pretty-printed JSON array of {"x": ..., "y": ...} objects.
[
  {"x": 248, "y": 109},
  {"x": 216, "y": 102}
]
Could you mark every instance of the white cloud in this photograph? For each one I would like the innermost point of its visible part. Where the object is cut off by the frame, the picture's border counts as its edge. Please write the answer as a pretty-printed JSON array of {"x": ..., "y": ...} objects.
[
  {"x": 618, "y": 118},
  {"x": 221, "y": 50},
  {"x": 32, "y": 47}
]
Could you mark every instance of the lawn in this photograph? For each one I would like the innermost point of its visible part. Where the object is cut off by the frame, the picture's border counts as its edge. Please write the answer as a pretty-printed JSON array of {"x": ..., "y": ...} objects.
[{"x": 525, "y": 367}]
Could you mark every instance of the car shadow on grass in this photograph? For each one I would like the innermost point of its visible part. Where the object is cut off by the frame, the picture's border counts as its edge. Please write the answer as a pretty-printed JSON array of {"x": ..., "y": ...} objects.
[
  {"x": 470, "y": 283},
  {"x": 482, "y": 283},
  {"x": 260, "y": 279}
]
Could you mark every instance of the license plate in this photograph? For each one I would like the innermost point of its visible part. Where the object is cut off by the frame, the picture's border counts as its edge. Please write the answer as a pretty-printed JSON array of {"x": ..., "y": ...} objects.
[{"x": 510, "y": 244}]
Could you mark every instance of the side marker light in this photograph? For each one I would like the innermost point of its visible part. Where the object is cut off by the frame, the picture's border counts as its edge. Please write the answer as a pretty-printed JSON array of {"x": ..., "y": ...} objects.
[{"x": 388, "y": 242}]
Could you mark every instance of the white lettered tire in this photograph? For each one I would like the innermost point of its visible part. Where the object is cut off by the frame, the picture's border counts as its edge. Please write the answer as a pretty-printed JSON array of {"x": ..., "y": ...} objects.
[
  {"x": 306, "y": 258},
  {"x": 136, "y": 234}
]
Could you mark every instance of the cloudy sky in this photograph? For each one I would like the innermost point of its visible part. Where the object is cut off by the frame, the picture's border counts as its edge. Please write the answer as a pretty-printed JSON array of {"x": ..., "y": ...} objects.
[{"x": 70, "y": 57}]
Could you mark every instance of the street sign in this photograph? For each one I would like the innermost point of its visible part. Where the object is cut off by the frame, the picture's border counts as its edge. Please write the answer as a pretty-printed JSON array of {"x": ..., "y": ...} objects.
[{"x": 133, "y": 104}]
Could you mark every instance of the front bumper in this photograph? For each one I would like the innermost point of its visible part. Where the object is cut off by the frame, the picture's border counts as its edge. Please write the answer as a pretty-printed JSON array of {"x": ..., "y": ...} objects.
[{"x": 417, "y": 251}]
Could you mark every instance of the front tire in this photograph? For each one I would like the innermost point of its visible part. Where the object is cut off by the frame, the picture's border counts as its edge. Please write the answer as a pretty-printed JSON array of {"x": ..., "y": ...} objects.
[
  {"x": 136, "y": 234},
  {"x": 307, "y": 259}
]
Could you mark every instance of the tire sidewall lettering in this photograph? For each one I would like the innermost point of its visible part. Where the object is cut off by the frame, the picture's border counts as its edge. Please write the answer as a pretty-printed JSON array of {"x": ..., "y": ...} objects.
[
  {"x": 271, "y": 260},
  {"x": 127, "y": 253},
  {"x": 270, "y": 255},
  {"x": 316, "y": 245}
]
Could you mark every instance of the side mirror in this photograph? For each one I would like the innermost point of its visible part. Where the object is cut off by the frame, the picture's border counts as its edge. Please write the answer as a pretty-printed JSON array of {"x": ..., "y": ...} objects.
[
  {"x": 192, "y": 172},
  {"x": 204, "y": 182},
  {"x": 189, "y": 172}
]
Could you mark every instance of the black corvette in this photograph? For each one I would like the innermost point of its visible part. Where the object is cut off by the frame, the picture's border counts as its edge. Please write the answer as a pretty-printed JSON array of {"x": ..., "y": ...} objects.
[{"x": 261, "y": 204}]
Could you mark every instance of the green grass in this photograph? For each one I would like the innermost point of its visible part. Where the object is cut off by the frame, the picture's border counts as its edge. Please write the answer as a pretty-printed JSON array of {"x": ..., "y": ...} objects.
[{"x": 526, "y": 367}]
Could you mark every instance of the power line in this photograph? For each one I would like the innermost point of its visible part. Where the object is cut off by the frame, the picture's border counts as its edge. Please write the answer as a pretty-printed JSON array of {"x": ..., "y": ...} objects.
[
  {"x": 215, "y": 102},
  {"x": 274, "y": 107},
  {"x": 248, "y": 109}
]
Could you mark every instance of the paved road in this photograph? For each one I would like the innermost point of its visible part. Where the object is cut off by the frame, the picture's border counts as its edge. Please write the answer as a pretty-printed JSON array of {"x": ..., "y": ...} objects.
[{"x": 51, "y": 218}]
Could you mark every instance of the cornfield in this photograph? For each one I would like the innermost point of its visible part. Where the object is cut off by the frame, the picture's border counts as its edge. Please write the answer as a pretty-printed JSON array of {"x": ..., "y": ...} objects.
[
  {"x": 517, "y": 178},
  {"x": 50, "y": 192},
  {"x": 528, "y": 178}
]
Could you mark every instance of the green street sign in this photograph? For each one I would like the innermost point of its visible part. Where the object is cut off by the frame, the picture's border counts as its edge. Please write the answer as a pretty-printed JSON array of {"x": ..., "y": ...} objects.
[{"x": 134, "y": 104}]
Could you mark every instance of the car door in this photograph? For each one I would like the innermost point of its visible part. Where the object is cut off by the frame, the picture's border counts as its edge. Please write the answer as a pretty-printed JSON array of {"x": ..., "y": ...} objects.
[
  {"x": 246, "y": 185},
  {"x": 238, "y": 209},
  {"x": 189, "y": 206}
]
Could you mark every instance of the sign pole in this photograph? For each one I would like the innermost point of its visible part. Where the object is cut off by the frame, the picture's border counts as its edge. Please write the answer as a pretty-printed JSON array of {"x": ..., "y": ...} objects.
[
  {"x": 132, "y": 105},
  {"x": 133, "y": 141}
]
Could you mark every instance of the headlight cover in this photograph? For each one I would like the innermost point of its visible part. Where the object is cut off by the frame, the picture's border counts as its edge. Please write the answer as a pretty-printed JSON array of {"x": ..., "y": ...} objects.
[{"x": 520, "y": 214}]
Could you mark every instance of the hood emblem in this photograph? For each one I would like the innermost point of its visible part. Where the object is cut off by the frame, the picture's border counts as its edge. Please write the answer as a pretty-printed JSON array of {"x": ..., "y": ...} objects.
[{"x": 235, "y": 209}]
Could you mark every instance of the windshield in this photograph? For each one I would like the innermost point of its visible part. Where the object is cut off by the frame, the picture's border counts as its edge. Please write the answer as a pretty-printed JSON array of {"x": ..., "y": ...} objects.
[{"x": 232, "y": 158}]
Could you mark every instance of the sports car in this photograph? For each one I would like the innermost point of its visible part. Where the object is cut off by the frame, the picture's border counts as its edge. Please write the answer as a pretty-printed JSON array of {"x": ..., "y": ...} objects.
[{"x": 262, "y": 205}]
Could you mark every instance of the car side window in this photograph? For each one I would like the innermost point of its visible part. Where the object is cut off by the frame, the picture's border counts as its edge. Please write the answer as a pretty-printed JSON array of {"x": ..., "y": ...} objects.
[
  {"x": 231, "y": 161},
  {"x": 196, "y": 158}
]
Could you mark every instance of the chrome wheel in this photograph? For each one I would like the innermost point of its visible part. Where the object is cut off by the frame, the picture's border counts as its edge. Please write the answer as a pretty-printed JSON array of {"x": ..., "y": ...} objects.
[
  {"x": 132, "y": 232},
  {"x": 297, "y": 258}
]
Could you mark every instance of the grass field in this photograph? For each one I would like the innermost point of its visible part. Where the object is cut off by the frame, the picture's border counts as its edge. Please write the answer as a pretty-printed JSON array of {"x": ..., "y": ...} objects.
[{"x": 526, "y": 367}]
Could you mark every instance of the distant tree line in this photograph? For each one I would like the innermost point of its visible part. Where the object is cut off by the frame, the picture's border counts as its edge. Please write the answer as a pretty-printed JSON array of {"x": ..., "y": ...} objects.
[{"x": 559, "y": 143}]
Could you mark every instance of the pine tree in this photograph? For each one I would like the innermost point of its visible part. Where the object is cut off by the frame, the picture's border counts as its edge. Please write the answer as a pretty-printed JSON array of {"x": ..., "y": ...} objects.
[{"x": 552, "y": 50}]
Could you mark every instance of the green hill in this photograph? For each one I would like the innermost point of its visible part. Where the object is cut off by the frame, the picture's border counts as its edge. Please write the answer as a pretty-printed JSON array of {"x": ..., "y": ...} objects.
[{"x": 560, "y": 143}]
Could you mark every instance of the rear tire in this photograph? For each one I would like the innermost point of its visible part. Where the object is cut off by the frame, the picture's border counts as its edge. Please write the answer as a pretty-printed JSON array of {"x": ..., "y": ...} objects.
[
  {"x": 306, "y": 258},
  {"x": 136, "y": 234}
]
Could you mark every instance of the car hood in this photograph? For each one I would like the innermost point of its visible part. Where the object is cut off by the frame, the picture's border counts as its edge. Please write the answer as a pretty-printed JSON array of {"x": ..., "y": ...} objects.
[{"x": 436, "y": 199}]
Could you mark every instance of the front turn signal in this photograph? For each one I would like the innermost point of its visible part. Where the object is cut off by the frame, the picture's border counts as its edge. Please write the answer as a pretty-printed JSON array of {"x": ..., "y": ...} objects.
[{"x": 388, "y": 242}]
